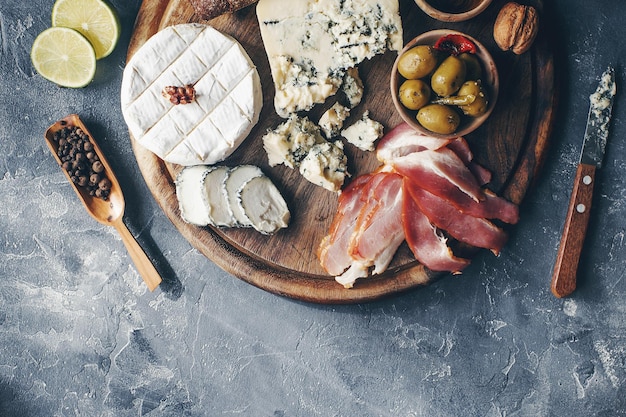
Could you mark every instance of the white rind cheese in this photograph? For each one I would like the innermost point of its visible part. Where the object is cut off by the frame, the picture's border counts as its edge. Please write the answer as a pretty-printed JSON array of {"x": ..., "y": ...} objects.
[
  {"x": 311, "y": 43},
  {"x": 364, "y": 133},
  {"x": 228, "y": 94}
]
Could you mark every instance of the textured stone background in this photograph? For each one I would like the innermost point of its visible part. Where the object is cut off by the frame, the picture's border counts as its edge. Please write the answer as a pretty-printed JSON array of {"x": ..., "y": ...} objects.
[{"x": 81, "y": 336}]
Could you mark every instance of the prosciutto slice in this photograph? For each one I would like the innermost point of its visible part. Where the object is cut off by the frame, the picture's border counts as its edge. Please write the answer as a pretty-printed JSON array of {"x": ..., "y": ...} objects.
[
  {"x": 437, "y": 169},
  {"x": 475, "y": 231},
  {"x": 428, "y": 246},
  {"x": 333, "y": 250},
  {"x": 403, "y": 140},
  {"x": 378, "y": 229}
]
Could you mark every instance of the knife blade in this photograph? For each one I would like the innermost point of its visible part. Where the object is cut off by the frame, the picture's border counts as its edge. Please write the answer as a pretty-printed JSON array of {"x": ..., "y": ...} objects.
[{"x": 594, "y": 145}]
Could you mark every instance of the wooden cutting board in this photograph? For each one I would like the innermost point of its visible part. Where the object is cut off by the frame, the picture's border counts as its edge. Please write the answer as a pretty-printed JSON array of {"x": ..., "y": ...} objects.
[{"x": 512, "y": 144}]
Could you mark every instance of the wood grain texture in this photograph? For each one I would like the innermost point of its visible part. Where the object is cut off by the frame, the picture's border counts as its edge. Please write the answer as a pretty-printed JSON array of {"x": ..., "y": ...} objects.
[
  {"x": 574, "y": 232},
  {"x": 513, "y": 144}
]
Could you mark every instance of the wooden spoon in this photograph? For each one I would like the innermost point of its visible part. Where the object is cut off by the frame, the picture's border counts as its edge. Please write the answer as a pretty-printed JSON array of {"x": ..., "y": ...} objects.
[{"x": 111, "y": 211}]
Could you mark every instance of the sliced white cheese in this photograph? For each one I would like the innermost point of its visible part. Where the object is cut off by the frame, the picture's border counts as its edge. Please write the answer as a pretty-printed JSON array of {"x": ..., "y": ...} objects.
[
  {"x": 311, "y": 43},
  {"x": 364, "y": 133},
  {"x": 237, "y": 177},
  {"x": 290, "y": 142},
  {"x": 325, "y": 165},
  {"x": 263, "y": 205},
  {"x": 228, "y": 94},
  {"x": 332, "y": 120},
  {"x": 189, "y": 191},
  {"x": 215, "y": 197}
]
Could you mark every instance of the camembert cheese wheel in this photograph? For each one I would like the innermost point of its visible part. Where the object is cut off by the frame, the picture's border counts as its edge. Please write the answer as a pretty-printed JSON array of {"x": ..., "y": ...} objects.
[{"x": 228, "y": 95}]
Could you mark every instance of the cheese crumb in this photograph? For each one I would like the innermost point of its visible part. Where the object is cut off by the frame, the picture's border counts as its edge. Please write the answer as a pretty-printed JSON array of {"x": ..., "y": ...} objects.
[
  {"x": 332, "y": 120},
  {"x": 364, "y": 133},
  {"x": 325, "y": 165}
]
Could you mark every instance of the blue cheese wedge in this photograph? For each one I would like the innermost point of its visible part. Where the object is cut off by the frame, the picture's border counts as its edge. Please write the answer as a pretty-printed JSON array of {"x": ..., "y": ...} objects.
[
  {"x": 364, "y": 133},
  {"x": 311, "y": 43},
  {"x": 228, "y": 94},
  {"x": 325, "y": 165}
]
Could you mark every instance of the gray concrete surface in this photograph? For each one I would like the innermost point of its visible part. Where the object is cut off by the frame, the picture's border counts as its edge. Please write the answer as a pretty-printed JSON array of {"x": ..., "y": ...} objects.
[{"x": 81, "y": 336}]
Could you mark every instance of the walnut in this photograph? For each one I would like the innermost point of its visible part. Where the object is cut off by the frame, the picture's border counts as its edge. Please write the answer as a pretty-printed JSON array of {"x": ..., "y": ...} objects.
[
  {"x": 179, "y": 95},
  {"x": 516, "y": 27}
]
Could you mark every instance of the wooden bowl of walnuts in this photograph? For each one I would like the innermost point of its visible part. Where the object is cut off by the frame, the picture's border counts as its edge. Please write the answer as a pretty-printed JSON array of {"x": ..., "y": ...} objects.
[{"x": 444, "y": 83}]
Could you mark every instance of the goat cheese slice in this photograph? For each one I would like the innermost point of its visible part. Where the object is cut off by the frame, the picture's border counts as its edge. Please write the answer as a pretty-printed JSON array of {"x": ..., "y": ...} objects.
[
  {"x": 263, "y": 205},
  {"x": 237, "y": 177},
  {"x": 228, "y": 94},
  {"x": 189, "y": 189},
  {"x": 311, "y": 43}
]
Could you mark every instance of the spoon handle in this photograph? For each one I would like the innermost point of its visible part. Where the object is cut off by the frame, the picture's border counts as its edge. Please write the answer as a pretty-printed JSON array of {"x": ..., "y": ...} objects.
[{"x": 144, "y": 265}]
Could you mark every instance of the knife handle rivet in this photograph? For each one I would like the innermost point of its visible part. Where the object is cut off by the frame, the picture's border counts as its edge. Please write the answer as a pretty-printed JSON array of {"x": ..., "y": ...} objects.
[
  {"x": 587, "y": 180},
  {"x": 581, "y": 208}
]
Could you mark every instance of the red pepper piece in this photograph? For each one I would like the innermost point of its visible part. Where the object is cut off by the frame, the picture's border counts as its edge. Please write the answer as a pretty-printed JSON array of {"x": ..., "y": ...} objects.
[{"x": 455, "y": 44}]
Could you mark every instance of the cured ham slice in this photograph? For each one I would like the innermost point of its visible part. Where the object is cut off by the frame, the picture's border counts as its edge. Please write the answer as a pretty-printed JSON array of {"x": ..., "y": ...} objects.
[
  {"x": 463, "y": 151},
  {"x": 403, "y": 140},
  {"x": 333, "y": 250},
  {"x": 379, "y": 230},
  {"x": 367, "y": 230},
  {"x": 490, "y": 207},
  {"x": 428, "y": 246},
  {"x": 475, "y": 231},
  {"x": 437, "y": 169}
]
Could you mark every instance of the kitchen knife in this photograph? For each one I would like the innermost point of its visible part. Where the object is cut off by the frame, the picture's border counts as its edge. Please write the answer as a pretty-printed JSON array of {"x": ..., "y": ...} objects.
[{"x": 594, "y": 144}]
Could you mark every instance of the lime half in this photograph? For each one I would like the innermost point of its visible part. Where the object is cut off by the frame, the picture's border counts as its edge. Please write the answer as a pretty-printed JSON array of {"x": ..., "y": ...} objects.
[
  {"x": 95, "y": 19},
  {"x": 64, "y": 57}
]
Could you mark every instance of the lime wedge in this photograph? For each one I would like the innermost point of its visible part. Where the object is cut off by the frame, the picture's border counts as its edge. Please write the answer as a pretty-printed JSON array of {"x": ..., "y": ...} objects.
[
  {"x": 95, "y": 19},
  {"x": 64, "y": 56}
]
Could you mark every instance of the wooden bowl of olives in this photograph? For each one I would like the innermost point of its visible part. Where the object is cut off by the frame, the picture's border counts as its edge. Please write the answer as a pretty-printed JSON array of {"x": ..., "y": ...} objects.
[
  {"x": 444, "y": 83},
  {"x": 453, "y": 10}
]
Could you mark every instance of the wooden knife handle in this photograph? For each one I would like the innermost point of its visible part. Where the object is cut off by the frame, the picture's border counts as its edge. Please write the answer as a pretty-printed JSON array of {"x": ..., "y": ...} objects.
[{"x": 573, "y": 237}]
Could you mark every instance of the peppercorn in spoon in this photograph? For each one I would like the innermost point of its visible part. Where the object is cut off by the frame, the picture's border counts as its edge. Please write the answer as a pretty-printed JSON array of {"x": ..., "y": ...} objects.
[{"x": 92, "y": 178}]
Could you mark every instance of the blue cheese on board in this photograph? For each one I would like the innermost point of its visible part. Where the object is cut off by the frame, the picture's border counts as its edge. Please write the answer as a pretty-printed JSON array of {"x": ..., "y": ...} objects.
[{"x": 311, "y": 43}]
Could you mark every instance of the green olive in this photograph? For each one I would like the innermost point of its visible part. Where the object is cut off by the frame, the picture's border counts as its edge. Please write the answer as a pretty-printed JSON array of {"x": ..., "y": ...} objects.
[
  {"x": 439, "y": 118},
  {"x": 479, "y": 106},
  {"x": 414, "y": 94},
  {"x": 417, "y": 62},
  {"x": 448, "y": 77},
  {"x": 472, "y": 65}
]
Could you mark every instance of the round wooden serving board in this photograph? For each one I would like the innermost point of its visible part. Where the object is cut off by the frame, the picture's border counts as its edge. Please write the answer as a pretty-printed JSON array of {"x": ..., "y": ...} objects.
[{"x": 512, "y": 144}]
